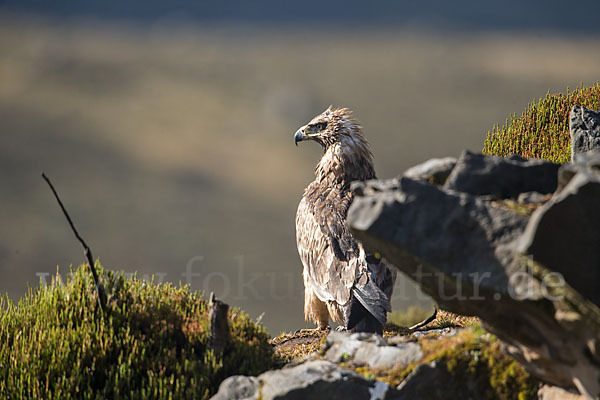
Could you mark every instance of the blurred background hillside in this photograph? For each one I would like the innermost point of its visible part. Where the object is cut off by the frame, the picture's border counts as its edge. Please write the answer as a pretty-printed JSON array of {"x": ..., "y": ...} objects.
[{"x": 167, "y": 126}]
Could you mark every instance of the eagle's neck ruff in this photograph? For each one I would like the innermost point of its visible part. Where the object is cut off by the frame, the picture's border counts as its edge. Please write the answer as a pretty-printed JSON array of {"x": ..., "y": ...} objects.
[{"x": 345, "y": 161}]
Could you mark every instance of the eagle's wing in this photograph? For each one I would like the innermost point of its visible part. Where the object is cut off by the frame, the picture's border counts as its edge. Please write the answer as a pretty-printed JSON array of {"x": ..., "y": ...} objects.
[
  {"x": 335, "y": 264},
  {"x": 330, "y": 277}
]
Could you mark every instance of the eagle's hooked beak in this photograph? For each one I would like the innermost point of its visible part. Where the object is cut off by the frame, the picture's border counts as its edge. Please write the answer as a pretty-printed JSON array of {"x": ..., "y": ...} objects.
[{"x": 300, "y": 136}]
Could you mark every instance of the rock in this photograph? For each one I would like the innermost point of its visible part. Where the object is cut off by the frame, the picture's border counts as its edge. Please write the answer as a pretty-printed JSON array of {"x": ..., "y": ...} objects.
[
  {"x": 311, "y": 380},
  {"x": 589, "y": 162},
  {"x": 474, "y": 257},
  {"x": 555, "y": 393},
  {"x": 369, "y": 349},
  {"x": 443, "y": 331},
  {"x": 435, "y": 170},
  {"x": 564, "y": 234},
  {"x": 532, "y": 197},
  {"x": 238, "y": 387},
  {"x": 565, "y": 173},
  {"x": 500, "y": 177},
  {"x": 340, "y": 346},
  {"x": 398, "y": 356},
  {"x": 433, "y": 381},
  {"x": 584, "y": 127},
  {"x": 433, "y": 232}
]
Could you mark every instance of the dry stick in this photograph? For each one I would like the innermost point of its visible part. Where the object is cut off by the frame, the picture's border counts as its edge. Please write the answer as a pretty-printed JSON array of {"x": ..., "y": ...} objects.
[
  {"x": 86, "y": 249},
  {"x": 424, "y": 322}
]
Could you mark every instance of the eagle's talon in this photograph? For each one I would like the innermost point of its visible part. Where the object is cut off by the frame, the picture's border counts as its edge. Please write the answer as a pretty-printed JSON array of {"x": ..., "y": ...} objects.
[{"x": 341, "y": 329}]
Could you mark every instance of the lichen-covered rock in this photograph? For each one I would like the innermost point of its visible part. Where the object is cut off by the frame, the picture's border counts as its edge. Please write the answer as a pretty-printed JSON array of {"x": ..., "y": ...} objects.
[
  {"x": 238, "y": 387},
  {"x": 369, "y": 349},
  {"x": 584, "y": 127},
  {"x": 317, "y": 379},
  {"x": 458, "y": 363}
]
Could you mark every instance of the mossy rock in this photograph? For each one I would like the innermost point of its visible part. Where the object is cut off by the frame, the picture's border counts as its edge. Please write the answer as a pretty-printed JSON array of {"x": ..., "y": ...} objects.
[
  {"x": 151, "y": 343},
  {"x": 474, "y": 359},
  {"x": 542, "y": 130}
]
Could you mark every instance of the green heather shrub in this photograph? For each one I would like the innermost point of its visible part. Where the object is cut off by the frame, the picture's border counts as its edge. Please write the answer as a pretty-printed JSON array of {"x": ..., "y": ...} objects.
[
  {"x": 542, "y": 131},
  {"x": 152, "y": 342}
]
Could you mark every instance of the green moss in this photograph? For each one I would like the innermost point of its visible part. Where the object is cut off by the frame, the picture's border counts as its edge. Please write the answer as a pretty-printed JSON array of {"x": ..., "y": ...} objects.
[
  {"x": 152, "y": 342},
  {"x": 506, "y": 376},
  {"x": 542, "y": 131}
]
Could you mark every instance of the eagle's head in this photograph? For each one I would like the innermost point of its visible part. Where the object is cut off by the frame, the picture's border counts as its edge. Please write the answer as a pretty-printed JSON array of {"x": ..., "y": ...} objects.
[
  {"x": 332, "y": 126},
  {"x": 346, "y": 151}
]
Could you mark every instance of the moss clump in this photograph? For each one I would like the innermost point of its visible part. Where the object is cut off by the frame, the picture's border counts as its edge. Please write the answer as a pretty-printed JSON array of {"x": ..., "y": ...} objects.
[
  {"x": 151, "y": 343},
  {"x": 542, "y": 131}
]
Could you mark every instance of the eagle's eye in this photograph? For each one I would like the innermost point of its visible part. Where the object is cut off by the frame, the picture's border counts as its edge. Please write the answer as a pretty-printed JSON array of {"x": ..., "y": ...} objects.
[{"x": 319, "y": 126}]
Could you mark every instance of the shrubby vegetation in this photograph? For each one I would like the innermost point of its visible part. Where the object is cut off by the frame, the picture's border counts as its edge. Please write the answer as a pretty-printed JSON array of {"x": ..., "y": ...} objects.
[
  {"x": 542, "y": 130},
  {"x": 151, "y": 343}
]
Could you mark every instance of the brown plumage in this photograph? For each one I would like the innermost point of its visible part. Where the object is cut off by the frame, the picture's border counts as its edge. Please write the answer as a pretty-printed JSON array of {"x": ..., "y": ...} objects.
[{"x": 341, "y": 281}]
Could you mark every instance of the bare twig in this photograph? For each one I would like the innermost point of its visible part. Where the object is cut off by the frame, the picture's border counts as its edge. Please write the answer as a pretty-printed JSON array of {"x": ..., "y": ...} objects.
[
  {"x": 424, "y": 322},
  {"x": 86, "y": 249}
]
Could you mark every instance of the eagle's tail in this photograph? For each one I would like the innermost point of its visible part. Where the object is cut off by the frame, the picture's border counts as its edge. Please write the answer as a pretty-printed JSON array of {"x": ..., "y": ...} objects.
[{"x": 372, "y": 304}]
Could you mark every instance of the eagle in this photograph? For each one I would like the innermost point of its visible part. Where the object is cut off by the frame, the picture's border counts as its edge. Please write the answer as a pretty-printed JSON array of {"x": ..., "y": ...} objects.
[{"x": 341, "y": 280}]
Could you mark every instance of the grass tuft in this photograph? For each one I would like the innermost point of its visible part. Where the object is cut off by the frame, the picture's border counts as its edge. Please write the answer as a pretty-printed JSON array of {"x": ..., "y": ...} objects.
[
  {"x": 152, "y": 342},
  {"x": 542, "y": 130}
]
